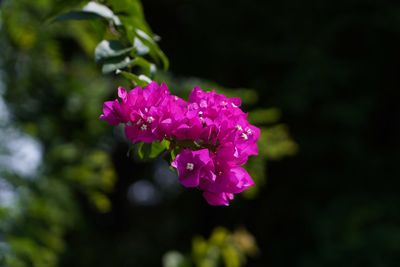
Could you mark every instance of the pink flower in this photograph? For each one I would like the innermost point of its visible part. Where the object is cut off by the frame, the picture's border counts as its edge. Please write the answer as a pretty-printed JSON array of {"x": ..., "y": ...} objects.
[
  {"x": 173, "y": 114},
  {"x": 213, "y": 132},
  {"x": 211, "y": 105},
  {"x": 230, "y": 177},
  {"x": 218, "y": 199},
  {"x": 194, "y": 166},
  {"x": 228, "y": 182},
  {"x": 111, "y": 113}
]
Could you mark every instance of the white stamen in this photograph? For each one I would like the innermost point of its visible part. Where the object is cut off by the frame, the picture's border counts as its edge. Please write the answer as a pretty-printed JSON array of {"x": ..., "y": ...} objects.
[
  {"x": 150, "y": 119},
  {"x": 189, "y": 166},
  {"x": 233, "y": 105},
  {"x": 238, "y": 127},
  {"x": 143, "y": 127},
  {"x": 248, "y": 131},
  {"x": 146, "y": 110},
  {"x": 244, "y": 136},
  {"x": 200, "y": 113},
  {"x": 203, "y": 104}
]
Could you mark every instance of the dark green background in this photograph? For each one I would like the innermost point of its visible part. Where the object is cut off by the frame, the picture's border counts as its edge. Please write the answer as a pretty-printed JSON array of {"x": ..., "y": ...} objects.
[{"x": 333, "y": 68}]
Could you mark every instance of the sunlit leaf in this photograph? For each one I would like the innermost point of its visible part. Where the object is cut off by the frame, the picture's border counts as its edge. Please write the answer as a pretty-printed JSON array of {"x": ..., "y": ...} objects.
[
  {"x": 102, "y": 11},
  {"x": 141, "y": 49},
  {"x": 113, "y": 64},
  {"x": 92, "y": 10},
  {"x": 131, "y": 15},
  {"x": 148, "y": 68},
  {"x": 140, "y": 80},
  {"x": 155, "y": 51},
  {"x": 110, "y": 48},
  {"x": 150, "y": 151}
]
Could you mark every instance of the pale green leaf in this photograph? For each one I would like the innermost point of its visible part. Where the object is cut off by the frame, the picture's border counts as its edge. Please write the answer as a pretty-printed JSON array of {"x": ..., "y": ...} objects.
[
  {"x": 77, "y": 15},
  {"x": 110, "y": 48},
  {"x": 113, "y": 64},
  {"x": 140, "y": 80},
  {"x": 149, "y": 151},
  {"x": 102, "y": 11}
]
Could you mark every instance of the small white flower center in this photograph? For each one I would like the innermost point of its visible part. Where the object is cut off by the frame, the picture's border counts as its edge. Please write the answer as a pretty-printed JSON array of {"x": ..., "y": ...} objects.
[
  {"x": 201, "y": 113},
  {"x": 238, "y": 127},
  {"x": 146, "y": 110},
  {"x": 244, "y": 136},
  {"x": 203, "y": 104},
  {"x": 150, "y": 119},
  {"x": 248, "y": 131},
  {"x": 143, "y": 127},
  {"x": 233, "y": 105},
  {"x": 189, "y": 166},
  {"x": 223, "y": 103}
]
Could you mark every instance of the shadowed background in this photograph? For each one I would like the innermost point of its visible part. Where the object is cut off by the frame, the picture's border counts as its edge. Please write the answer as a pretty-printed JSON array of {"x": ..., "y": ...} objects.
[{"x": 332, "y": 68}]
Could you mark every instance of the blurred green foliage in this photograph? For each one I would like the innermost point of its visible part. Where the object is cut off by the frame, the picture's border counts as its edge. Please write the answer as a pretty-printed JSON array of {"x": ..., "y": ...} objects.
[
  {"x": 54, "y": 96},
  {"x": 225, "y": 248}
]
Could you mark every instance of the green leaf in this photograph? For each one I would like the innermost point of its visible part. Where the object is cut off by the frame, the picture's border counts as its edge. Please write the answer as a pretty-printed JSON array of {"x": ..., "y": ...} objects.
[
  {"x": 264, "y": 116},
  {"x": 232, "y": 256},
  {"x": 140, "y": 80},
  {"x": 110, "y": 48},
  {"x": 279, "y": 143},
  {"x": 148, "y": 68},
  {"x": 60, "y": 7},
  {"x": 113, "y": 64},
  {"x": 90, "y": 11},
  {"x": 150, "y": 151},
  {"x": 141, "y": 49},
  {"x": 155, "y": 51},
  {"x": 120, "y": 62},
  {"x": 77, "y": 15},
  {"x": 128, "y": 7},
  {"x": 174, "y": 153},
  {"x": 102, "y": 11},
  {"x": 256, "y": 166},
  {"x": 131, "y": 14}
]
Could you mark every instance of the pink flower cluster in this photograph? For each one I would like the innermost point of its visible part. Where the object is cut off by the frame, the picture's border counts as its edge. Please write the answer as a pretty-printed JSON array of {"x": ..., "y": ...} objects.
[{"x": 210, "y": 132}]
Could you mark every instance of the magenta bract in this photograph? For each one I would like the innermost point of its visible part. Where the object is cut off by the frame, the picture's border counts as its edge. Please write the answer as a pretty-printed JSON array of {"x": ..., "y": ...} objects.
[{"x": 222, "y": 138}]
